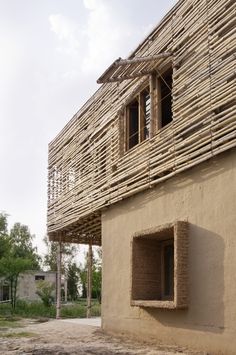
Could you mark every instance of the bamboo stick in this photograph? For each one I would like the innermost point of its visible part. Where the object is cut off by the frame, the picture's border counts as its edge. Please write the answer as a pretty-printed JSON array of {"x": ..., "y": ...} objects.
[{"x": 89, "y": 166}]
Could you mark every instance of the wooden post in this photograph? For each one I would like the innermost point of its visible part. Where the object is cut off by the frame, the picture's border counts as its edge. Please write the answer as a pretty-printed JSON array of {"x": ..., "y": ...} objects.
[
  {"x": 89, "y": 279},
  {"x": 153, "y": 98},
  {"x": 65, "y": 288},
  {"x": 58, "y": 312}
]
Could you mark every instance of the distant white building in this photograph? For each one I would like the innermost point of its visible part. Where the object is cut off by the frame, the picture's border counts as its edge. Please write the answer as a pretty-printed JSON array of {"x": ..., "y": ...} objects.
[{"x": 27, "y": 285}]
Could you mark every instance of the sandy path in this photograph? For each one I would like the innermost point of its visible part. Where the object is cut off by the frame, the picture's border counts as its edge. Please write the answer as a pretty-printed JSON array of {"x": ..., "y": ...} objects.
[{"x": 69, "y": 337}]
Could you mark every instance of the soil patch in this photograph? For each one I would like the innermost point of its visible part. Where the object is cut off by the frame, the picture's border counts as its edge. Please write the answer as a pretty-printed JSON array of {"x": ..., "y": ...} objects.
[{"x": 57, "y": 337}]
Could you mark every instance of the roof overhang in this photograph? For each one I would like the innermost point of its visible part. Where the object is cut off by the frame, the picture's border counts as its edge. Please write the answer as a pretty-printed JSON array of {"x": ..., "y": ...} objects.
[
  {"x": 86, "y": 230},
  {"x": 123, "y": 69}
]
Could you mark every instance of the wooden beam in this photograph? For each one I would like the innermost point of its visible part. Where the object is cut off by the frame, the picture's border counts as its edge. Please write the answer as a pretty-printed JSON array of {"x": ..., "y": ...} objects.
[
  {"x": 108, "y": 74},
  {"x": 144, "y": 59}
]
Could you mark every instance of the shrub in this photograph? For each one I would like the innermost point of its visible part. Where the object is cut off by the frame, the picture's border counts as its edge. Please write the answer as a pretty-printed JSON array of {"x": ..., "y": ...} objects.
[
  {"x": 37, "y": 309},
  {"x": 45, "y": 291}
]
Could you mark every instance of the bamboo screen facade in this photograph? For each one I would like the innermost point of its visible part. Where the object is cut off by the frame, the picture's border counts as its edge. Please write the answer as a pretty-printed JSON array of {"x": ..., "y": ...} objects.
[{"x": 89, "y": 169}]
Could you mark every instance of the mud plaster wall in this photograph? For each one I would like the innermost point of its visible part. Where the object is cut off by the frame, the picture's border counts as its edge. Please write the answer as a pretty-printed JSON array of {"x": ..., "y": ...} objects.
[{"x": 206, "y": 197}]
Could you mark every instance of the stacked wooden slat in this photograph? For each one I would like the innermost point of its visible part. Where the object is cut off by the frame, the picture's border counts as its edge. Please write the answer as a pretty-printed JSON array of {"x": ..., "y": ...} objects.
[{"x": 88, "y": 170}]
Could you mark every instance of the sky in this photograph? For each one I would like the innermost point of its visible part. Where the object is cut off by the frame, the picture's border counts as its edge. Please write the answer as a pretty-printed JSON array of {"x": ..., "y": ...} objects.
[{"x": 51, "y": 54}]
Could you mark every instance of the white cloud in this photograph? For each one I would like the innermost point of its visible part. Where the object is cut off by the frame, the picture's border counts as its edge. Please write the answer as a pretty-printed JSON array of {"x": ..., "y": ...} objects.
[
  {"x": 67, "y": 31},
  {"x": 102, "y": 38},
  {"x": 104, "y": 35},
  {"x": 91, "y": 4}
]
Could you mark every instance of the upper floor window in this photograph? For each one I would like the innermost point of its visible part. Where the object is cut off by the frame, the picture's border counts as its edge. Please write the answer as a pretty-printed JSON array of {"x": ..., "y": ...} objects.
[
  {"x": 150, "y": 110},
  {"x": 165, "y": 87},
  {"x": 138, "y": 119}
]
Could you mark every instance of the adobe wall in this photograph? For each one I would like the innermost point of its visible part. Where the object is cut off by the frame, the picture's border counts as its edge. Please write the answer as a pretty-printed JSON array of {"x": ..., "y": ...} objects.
[{"x": 205, "y": 196}]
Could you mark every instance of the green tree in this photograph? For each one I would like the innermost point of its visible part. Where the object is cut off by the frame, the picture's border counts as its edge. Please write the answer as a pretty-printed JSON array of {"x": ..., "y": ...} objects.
[
  {"x": 96, "y": 275},
  {"x": 72, "y": 281},
  {"x": 10, "y": 268},
  {"x": 4, "y": 237},
  {"x": 17, "y": 253},
  {"x": 83, "y": 279},
  {"x": 68, "y": 253},
  {"x": 3, "y": 223},
  {"x": 22, "y": 245}
]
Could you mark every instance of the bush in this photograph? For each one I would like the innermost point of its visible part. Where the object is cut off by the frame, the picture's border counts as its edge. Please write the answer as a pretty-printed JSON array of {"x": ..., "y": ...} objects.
[
  {"x": 45, "y": 291},
  {"x": 38, "y": 310}
]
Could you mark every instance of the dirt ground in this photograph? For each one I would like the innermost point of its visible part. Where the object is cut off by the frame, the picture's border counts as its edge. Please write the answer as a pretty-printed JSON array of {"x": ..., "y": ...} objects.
[{"x": 70, "y": 337}]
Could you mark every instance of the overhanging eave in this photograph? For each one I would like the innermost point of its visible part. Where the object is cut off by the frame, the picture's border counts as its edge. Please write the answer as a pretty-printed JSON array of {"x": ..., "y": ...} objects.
[{"x": 123, "y": 69}]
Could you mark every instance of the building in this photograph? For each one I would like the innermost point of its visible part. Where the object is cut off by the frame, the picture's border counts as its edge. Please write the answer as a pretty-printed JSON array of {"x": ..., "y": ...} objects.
[
  {"x": 27, "y": 285},
  {"x": 147, "y": 168}
]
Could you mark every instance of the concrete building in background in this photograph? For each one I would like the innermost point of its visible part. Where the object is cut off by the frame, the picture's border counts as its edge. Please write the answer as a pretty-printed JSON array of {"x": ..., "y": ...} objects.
[
  {"x": 147, "y": 169},
  {"x": 27, "y": 285}
]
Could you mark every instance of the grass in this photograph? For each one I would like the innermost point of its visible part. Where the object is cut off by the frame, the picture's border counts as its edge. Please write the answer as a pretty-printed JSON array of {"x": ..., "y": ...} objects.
[
  {"x": 38, "y": 310},
  {"x": 10, "y": 322},
  {"x": 7, "y": 324},
  {"x": 18, "y": 335}
]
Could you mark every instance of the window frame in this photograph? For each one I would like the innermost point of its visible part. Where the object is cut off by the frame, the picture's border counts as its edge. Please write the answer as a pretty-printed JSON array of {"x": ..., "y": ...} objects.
[
  {"x": 179, "y": 300},
  {"x": 153, "y": 86},
  {"x": 139, "y": 99}
]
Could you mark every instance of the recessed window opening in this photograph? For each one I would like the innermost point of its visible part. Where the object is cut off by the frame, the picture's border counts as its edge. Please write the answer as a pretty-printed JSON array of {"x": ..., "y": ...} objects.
[
  {"x": 166, "y": 98},
  {"x": 145, "y": 107},
  {"x": 160, "y": 267},
  {"x": 138, "y": 116},
  {"x": 168, "y": 270},
  {"x": 153, "y": 267},
  {"x": 132, "y": 124},
  {"x": 150, "y": 111}
]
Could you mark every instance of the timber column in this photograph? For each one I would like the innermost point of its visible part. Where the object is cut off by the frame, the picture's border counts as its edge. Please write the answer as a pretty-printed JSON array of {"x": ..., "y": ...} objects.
[
  {"x": 58, "y": 312},
  {"x": 89, "y": 279}
]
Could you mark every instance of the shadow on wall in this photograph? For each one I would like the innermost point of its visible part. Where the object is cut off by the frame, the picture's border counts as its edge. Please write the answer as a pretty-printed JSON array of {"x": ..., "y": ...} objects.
[{"x": 206, "y": 286}]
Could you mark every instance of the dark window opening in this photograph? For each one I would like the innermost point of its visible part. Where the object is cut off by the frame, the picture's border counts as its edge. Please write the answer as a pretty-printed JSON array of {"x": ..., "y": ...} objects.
[
  {"x": 166, "y": 98},
  {"x": 147, "y": 113},
  {"x": 39, "y": 277},
  {"x": 5, "y": 293},
  {"x": 168, "y": 271},
  {"x": 146, "y": 109},
  {"x": 133, "y": 124}
]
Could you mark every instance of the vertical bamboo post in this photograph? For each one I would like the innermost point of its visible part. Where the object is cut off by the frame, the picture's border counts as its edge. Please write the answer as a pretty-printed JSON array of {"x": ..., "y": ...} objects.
[
  {"x": 65, "y": 288},
  {"x": 89, "y": 279},
  {"x": 58, "y": 312},
  {"x": 153, "y": 97}
]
